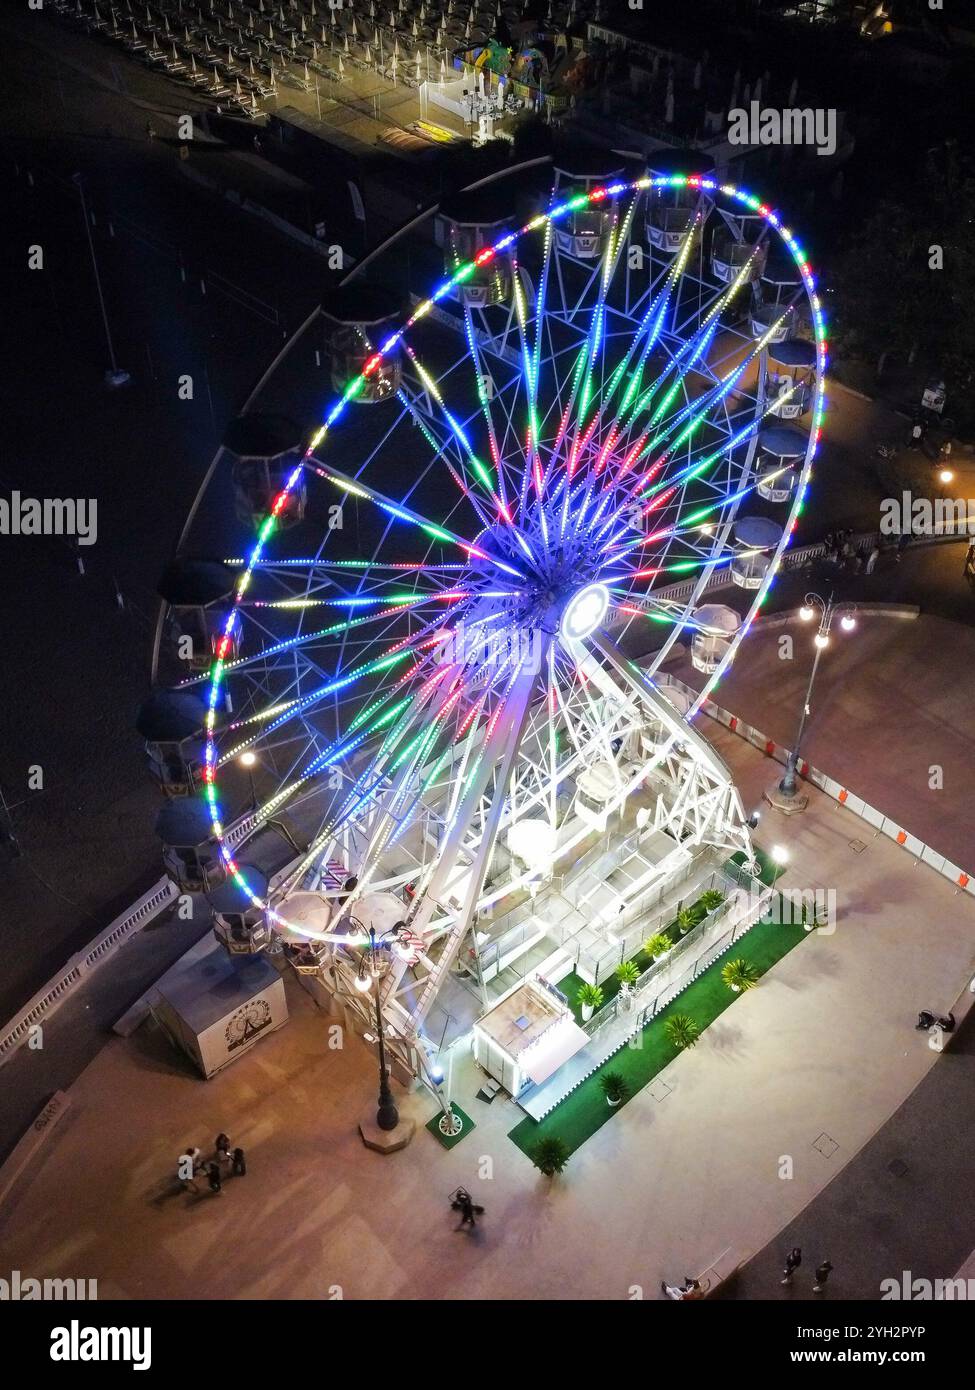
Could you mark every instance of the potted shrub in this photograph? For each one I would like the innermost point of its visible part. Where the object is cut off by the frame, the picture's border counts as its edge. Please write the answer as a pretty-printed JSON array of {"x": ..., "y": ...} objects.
[
  {"x": 711, "y": 899},
  {"x": 686, "y": 918},
  {"x": 628, "y": 972},
  {"x": 657, "y": 945},
  {"x": 589, "y": 998},
  {"x": 682, "y": 1031},
  {"x": 550, "y": 1156},
  {"x": 739, "y": 975},
  {"x": 614, "y": 1087}
]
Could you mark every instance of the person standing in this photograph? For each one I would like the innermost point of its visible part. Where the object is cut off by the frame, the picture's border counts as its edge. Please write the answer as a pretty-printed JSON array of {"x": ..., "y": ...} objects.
[
  {"x": 792, "y": 1262},
  {"x": 213, "y": 1174},
  {"x": 239, "y": 1163},
  {"x": 222, "y": 1147},
  {"x": 823, "y": 1272},
  {"x": 872, "y": 559}
]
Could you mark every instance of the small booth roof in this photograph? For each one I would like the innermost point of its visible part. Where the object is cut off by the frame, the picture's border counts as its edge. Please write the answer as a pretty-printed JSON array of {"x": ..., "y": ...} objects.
[
  {"x": 262, "y": 435},
  {"x": 196, "y": 582},
  {"x": 785, "y": 441},
  {"x": 361, "y": 303},
  {"x": 481, "y": 207},
  {"x": 757, "y": 532},
  {"x": 170, "y": 715},
  {"x": 793, "y": 352},
  {"x": 184, "y": 821},
  {"x": 206, "y": 984},
  {"x": 230, "y": 897}
]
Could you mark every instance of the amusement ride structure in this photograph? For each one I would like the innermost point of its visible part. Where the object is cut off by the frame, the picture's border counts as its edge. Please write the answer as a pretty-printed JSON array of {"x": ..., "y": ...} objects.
[{"x": 422, "y": 711}]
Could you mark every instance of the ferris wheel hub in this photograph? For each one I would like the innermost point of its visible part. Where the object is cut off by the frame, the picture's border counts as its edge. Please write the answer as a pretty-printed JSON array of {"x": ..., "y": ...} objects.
[{"x": 584, "y": 612}]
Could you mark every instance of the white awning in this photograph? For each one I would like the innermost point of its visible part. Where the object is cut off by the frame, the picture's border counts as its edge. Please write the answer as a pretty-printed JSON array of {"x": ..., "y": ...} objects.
[{"x": 552, "y": 1050}]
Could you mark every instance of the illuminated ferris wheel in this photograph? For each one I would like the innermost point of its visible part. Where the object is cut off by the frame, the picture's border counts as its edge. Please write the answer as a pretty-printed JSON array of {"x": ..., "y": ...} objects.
[{"x": 436, "y": 663}]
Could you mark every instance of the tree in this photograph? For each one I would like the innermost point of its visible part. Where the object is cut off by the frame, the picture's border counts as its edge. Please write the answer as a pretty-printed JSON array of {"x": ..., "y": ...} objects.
[
  {"x": 550, "y": 1155},
  {"x": 682, "y": 1031}
]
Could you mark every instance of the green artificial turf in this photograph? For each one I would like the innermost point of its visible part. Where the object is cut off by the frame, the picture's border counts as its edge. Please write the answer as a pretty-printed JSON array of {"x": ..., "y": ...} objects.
[{"x": 576, "y": 1119}]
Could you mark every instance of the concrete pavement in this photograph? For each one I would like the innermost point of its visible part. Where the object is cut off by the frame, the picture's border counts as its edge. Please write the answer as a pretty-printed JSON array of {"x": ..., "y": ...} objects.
[{"x": 807, "y": 1067}]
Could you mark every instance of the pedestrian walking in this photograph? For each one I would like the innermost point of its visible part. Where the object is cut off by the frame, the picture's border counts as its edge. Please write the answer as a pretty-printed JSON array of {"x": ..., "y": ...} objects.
[
  {"x": 903, "y": 541},
  {"x": 823, "y": 1272},
  {"x": 464, "y": 1203},
  {"x": 792, "y": 1262},
  {"x": 239, "y": 1163},
  {"x": 213, "y": 1174},
  {"x": 872, "y": 559},
  {"x": 222, "y": 1147}
]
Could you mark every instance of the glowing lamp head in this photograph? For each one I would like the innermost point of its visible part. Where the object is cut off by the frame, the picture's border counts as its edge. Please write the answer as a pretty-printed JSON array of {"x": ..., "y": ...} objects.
[
  {"x": 946, "y": 476},
  {"x": 806, "y": 613},
  {"x": 363, "y": 982},
  {"x": 821, "y": 640},
  {"x": 584, "y": 612},
  {"x": 247, "y": 759},
  {"x": 780, "y": 854},
  {"x": 848, "y": 622}
]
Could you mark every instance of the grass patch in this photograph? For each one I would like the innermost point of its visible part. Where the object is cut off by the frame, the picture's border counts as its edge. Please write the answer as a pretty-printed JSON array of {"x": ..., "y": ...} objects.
[
  {"x": 584, "y": 1111},
  {"x": 449, "y": 1140}
]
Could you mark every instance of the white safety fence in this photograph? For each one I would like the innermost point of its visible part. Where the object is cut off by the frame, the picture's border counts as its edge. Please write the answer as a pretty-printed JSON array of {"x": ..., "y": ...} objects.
[
  {"x": 50, "y": 998},
  {"x": 963, "y": 880}
]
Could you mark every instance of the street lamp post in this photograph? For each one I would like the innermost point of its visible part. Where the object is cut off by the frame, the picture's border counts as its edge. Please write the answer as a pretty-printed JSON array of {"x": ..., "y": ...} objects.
[
  {"x": 372, "y": 969},
  {"x": 827, "y": 610},
  {"x": 115, "y": 376}
]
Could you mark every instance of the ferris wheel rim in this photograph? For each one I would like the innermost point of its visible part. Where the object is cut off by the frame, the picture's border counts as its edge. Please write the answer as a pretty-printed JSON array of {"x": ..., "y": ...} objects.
[{"x": 558, "y": 210}]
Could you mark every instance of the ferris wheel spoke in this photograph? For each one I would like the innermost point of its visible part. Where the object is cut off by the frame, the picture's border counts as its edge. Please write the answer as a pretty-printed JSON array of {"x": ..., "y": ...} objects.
[{"x": 403, "y": 513}]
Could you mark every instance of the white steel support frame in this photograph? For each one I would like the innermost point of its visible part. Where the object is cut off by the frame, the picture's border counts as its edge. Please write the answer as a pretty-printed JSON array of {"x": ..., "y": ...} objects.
[{"x": 608, "y": 361}]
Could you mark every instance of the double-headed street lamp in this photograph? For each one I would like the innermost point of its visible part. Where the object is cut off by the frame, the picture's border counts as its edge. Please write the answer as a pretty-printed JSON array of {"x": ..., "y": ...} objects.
[
  {"x": 827, "y": 610},
  {"x": 373, "y": 967}
]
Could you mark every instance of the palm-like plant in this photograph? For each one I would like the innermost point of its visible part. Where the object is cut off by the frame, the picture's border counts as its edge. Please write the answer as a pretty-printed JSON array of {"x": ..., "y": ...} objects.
[
  {"x": 657, "y": 945},
  {"x": 686, "y": 918},
  {"x": 739, "y": 975},
  {"x": 711, "y": 899},
  {"x": 550, "y": 1156},
  {"x": 614, "y": 1086},
  {"x": 682, "y": 1031},
  {"x": 628, "y": 972},
  {"x": 590, "y": 996}
]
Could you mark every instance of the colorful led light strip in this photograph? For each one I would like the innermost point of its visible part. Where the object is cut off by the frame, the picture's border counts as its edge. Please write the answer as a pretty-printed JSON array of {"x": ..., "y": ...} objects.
[{"x": 462, "y": 273}]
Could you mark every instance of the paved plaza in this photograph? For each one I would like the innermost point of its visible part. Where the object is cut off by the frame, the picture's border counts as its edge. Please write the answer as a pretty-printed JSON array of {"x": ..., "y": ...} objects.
[{"x": 809, "y": 1065}]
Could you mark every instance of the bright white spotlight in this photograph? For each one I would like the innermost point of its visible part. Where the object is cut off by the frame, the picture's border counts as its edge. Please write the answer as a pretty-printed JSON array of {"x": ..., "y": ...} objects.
[
  {"x": 362, "y": 982},
  {"x": 584, "y": 612},
  {"x": 848, "y": 622},
  {"x": 780, "y": 854},
  {"x": 806, "y": 613},
  {"x": 247, "y": 759},
  {"x": 821, "y": 639}
]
